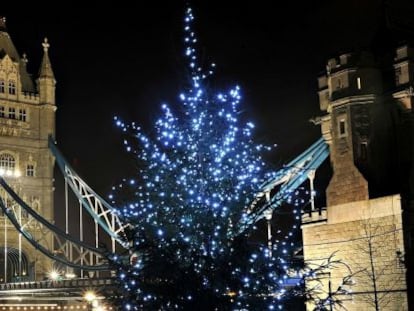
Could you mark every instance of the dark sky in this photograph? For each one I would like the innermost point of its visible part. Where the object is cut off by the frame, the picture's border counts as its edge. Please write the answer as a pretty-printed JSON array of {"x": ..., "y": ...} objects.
[{"x": 125, "y": 58}]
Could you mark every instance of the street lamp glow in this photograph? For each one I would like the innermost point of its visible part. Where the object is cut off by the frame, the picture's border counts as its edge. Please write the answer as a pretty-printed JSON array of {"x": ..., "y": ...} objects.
[
  {"x": 54, "y": 275},
  {"x": 89, "y": 296},
  {"x": 70, "y": 275}
]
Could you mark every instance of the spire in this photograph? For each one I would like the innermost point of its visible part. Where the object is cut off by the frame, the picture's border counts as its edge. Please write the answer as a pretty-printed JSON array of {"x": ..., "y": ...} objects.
[
  {"x": 23, "y": 62},
  {"x": 24, "y": 59},
  {"x": 46, "y": 68},
  {"x": 46, "y": 81},
  {"x": 3, "y": 24}
]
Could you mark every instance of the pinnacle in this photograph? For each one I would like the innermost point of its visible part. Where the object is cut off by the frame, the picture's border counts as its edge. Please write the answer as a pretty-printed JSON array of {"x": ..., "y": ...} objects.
[
  {"x": 3, "y": 23},
  {"x": 45, "y": 67}
]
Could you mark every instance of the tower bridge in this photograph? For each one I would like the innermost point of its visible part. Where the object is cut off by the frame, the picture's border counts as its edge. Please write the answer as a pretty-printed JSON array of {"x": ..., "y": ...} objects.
[
  {"x": 43, "y": 266},
  {"x": 32, "y": 246}
]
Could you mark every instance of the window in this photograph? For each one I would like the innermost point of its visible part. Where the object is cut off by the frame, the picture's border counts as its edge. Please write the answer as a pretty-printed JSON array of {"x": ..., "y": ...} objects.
[
  {"x": 12, "y": 113},
  {"x": 35, "y": 204},
  {"x": 22, "y": 115},
  {"x": 12, "y": 87},
  {"x": 359, "y": 83},
  {"x": 397, "y": 75},
  {"x": 30, "y": 170},
  {"x": 339, "y": 84},
  {"x": 363, "y": 153},
  {"x": 342, "y": 127},
  {"x": 1, "y": 112},
  {"x": 1, "y": 86},
  {"x": 7, "y": 164}
]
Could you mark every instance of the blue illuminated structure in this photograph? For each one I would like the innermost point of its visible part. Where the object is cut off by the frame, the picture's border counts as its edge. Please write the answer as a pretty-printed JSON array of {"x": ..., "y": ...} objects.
[
  {"x": 197, "y": 194},
  {"x": 200, "y": 188},
  {"x": 279, "y": 189}
]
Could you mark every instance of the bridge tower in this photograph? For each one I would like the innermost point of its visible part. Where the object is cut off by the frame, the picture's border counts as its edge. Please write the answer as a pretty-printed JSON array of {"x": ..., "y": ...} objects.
[
  {"x": 365, "y": 233},
  {"x": 27, "y": 118}
]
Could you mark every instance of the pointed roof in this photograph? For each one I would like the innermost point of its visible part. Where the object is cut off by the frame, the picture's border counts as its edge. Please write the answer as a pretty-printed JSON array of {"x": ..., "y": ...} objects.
[
  {"x": 46, "y": 67},
  {"x": 7, "y": 48},
  {"x": 6, "y": 44}
]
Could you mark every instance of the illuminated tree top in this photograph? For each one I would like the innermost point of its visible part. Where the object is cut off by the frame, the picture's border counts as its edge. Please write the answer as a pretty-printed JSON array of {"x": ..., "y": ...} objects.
[{"x": 197, "y": 173}]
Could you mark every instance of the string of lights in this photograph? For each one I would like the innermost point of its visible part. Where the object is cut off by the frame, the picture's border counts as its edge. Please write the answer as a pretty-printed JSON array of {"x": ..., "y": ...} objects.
[{"x": 195, "y": 177}]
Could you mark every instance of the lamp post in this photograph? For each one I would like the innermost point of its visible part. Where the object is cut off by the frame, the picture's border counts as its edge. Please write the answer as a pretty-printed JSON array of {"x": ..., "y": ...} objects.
[
  {"x": 11, "y": 172},
  {"x": 5, "y": 242},
  {"x": 268, "y": 215},
  {"x": 311, "y": 177}
]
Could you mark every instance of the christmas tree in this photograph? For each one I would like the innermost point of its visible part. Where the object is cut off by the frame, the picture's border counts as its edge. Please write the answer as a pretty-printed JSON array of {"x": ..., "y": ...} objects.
[{"x": 190, "y": 246}]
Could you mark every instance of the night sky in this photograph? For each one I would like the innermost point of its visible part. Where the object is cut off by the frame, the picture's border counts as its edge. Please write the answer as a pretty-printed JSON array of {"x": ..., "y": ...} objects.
[{"x": 125, "y": 58}]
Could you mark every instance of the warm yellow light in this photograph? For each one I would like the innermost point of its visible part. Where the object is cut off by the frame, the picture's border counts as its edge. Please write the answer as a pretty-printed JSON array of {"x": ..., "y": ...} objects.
[
  {"x": 54, "y": 275},
  {"x": 89, "y": 296},
  {"x": 70, "y": 275}
]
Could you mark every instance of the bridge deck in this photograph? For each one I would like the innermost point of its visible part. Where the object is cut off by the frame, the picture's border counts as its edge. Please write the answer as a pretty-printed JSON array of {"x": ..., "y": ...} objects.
[{"x": 54, "y": 295}]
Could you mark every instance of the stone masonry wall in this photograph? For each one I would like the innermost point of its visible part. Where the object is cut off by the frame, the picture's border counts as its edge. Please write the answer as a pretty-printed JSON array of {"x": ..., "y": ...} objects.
[
  {"x": 367, "y": 237},
  {"x": 347, "y": 183}
]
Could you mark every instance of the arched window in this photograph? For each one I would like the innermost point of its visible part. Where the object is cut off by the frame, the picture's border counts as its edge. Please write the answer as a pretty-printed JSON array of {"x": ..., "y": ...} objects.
[
  {"x": 7, "y": 164},
  {"x": 17, "y": 265},
  {"x": 12, "y": 87},
  {"x": 1, "y": 86}
]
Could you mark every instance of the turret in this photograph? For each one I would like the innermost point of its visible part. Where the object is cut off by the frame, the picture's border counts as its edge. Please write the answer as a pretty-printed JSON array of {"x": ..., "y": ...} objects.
[
  {"x": 350, "y": 85},
  {"x": 46, "y": 82},
  {"x": 27, "y": 119}
]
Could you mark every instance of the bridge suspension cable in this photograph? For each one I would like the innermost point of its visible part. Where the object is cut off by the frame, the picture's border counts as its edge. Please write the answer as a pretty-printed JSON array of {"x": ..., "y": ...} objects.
[
  {"x": 38, "y": 224},
  {"x": 271, "y": 195}
]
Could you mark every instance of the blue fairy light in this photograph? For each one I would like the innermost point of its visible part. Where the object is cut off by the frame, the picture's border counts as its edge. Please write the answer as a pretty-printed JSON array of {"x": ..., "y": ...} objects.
[{"x": 195, "y": 175}]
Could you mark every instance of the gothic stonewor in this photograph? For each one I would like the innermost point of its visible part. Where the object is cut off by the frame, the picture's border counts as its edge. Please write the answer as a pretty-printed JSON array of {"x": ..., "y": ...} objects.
[{"x": 27, "y": 119}]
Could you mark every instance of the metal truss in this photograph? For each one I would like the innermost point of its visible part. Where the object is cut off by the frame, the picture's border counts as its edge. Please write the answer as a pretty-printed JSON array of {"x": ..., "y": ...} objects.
[
  {"x": 279, "y": 189},
  {"x": 49, "y": 239},
  {"x": 100, "y": 210}
]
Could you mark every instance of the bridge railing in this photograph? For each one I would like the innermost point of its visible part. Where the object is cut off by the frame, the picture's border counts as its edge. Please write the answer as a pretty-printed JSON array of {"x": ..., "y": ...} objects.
[{"x": 80, "y": 284}]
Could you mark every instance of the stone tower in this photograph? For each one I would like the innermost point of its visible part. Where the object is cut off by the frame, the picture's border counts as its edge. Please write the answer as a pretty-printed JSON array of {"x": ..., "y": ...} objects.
[
  {"x": 352, "y": 83},
  {"x": 365, "y": 233},
  {"x": 27, "y": 118}
]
